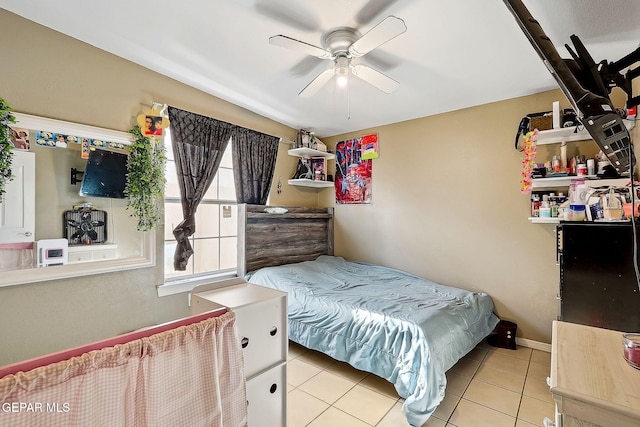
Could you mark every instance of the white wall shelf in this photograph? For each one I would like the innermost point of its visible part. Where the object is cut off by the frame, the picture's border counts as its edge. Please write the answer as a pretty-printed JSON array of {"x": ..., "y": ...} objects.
[
  {"x": 543, "y": 220},
  {"x": 310, "y": 183},
  {"x": 565, "y": 181},
  {"x": 36, "y": 123},
  {"x": 556, "y": 136},
  {"x": 307, "y": 153}
]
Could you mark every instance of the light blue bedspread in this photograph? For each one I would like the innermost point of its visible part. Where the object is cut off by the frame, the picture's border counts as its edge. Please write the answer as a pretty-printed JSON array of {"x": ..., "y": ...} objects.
[{"x": 398, "y": 326}]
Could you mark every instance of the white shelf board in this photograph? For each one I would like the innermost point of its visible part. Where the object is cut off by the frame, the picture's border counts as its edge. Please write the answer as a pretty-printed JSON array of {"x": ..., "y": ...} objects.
[
  {"x": 565, "y": 181},
  {"x": 38, "y": 123},
  {"x": 556, "y": 136},
  {"x": 543, "y": 220},
  {"x": 92, "y": 248},
  {"x": 310, "y": 183},
  {"x": 310, "y": 152}
]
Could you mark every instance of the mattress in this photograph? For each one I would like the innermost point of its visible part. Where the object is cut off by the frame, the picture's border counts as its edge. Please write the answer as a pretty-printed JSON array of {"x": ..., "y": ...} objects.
[{"x": 393, "y": 324}]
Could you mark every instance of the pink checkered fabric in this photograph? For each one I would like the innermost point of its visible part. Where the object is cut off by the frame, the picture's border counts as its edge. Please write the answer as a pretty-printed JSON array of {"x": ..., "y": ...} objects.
[{"x": 188, "y": 376}]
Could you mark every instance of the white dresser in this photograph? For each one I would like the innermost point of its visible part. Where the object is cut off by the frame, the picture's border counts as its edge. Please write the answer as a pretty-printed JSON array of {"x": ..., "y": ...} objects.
[
  {"x": 261, "y": 322},
  {"x": 591, "y": 382}
]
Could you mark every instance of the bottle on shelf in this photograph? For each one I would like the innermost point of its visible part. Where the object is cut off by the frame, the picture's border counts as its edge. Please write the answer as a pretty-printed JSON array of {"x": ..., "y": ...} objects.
[
  {"x": 545, "y": 207},
  {"x": 563, "y": 155},
  {"x": 535, "y": 205}
]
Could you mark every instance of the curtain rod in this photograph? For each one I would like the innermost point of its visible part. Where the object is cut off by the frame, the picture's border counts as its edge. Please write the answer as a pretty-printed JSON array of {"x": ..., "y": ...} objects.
[{"x": 165, "y": 106}]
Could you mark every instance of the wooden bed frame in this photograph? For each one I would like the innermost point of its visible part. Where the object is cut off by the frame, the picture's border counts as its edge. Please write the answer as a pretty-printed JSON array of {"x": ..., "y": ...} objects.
[{"x": 266, "y": 240}]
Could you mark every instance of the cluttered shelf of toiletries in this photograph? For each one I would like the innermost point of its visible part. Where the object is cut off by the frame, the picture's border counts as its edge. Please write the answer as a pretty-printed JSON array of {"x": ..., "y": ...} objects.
[
  {"x": 598, "y": 200},
  {"x": 559, "y": 170}
]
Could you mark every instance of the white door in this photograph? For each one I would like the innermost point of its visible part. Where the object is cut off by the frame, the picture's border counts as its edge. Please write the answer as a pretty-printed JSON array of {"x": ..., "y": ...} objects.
[{"x": 18, "y": 207}]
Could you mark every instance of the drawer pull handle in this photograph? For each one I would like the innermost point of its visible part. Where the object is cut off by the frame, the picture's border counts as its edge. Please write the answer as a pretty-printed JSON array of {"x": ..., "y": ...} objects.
[
  {"x": 244, "y": 342},
  {"x": 273, "y": 388},
  {"x": 273, "y": 331}
]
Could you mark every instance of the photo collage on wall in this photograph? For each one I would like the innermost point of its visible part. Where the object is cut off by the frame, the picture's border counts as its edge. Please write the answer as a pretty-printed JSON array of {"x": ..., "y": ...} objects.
[
  {"x": 354, "y": 171},
  {"x": 58, "y": 140}
]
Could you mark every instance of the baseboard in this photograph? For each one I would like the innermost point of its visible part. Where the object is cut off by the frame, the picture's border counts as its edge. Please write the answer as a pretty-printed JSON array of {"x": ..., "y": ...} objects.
[{"x": 536, "y": 345}]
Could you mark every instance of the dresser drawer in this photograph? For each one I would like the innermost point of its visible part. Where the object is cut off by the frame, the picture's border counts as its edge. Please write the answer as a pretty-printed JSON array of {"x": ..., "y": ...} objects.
[
  {"x": 266, "y": 398},
  {"x": 263, "y": 335}
]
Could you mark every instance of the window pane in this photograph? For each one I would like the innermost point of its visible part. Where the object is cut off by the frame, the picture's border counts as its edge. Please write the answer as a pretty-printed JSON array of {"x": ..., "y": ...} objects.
[
  {"x": 172, "y": 217},
  {"x": 207, "y": 220},
  {"x": 212, "y": 191},
  {"x": 167, "y": 144},
  {"x": 228, "y": 220},
  {"x": 227, "y": 158},
  {"x": 228, "y": 252},
  {"x": 169, "y": 272},
  {"x": 206, "y": 255},
  {"x": 227, "y": 186},
  {"x": 171, "y": 188}
]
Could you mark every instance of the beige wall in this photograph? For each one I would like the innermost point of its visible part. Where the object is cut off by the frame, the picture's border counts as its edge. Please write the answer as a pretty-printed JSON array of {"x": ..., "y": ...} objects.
[
  {"x": 48, "y": 74},
  {"x": 447, "y": 206},
  {"x": 446, "y": 198}
]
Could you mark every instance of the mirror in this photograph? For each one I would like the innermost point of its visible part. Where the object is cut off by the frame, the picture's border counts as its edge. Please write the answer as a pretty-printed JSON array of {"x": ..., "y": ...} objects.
[{"x": 123, "y": 247}]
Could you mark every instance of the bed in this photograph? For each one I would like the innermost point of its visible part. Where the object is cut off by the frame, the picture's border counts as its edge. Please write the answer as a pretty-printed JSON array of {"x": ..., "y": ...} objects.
[{"x": 393, "y": 324}]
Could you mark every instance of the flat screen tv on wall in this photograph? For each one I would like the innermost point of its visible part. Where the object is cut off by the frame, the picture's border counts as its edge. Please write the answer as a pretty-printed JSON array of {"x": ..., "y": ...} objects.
[{"x": 105, "y": 175}]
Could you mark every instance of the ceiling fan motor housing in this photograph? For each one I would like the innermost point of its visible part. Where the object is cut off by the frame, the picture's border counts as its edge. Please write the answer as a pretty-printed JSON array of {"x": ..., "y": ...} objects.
[{"x": 337, "y": 41}]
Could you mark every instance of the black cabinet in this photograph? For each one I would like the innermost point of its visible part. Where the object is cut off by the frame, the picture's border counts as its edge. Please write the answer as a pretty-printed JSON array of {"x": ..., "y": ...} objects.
[{"x": 598, "y": 282}]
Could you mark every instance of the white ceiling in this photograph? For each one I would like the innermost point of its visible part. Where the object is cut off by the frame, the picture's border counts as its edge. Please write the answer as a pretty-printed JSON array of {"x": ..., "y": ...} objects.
[{"x": 454, "y": 54}]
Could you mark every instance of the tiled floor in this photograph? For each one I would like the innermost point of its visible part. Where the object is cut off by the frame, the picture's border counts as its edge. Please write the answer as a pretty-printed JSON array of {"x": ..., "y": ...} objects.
[{"x": 488, "y": 387}]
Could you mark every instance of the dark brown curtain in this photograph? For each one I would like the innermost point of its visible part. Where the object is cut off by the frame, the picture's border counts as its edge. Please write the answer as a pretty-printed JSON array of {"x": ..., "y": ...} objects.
[
  {"x": 254, "y": 161},
  {"x": 198, "y": 144}
]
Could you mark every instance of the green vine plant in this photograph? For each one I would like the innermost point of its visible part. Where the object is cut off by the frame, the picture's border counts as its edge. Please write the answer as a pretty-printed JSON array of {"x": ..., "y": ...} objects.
[
  {"x": 145, "y": 179},
  {"x": 6, "y": 147}
]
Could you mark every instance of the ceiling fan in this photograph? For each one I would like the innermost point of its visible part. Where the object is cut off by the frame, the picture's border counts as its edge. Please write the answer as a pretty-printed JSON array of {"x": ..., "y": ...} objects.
[{"x": 341, "y": 45}]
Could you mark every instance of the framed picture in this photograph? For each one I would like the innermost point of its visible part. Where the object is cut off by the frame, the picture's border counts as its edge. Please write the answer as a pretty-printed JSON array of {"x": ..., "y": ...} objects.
[
  {"x": 318, "y": 168},
  {"x": 19, "y": 138}
]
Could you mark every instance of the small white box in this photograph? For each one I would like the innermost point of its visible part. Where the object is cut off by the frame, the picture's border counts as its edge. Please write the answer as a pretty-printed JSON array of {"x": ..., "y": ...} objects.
[{"x": 52, "y": 252}]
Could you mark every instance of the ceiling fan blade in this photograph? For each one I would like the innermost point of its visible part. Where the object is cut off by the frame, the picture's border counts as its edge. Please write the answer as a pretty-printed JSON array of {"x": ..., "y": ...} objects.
[
  {"x": 375, "y": 78},
  {"x": 317, "y": 83},
  {"x": 309, "y": 49},
  {"x": 288, "y": 13},
  {"x": 372, "y": 9},
  {"x": 386, "y": 30}
]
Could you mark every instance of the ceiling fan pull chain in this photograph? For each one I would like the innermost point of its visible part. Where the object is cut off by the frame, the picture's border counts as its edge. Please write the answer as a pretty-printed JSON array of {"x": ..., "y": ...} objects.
[{"x": 348, "y": 103}]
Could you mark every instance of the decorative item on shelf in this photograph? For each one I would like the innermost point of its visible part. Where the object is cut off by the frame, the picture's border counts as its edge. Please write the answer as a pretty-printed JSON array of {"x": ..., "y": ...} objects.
[
  {"x": 303, "y": 170},
  {"x": 541, "y": 121},
  {"x": 276, "y": 210},
  {"x": 612, "y": 206},
  {"x": 318, "y": 167},
  {"x": 145, "y": 179},
  {"x": 303, "y": 139},
  {"x": 528, "y": 163},
  {"x": 6, "y": 147}
]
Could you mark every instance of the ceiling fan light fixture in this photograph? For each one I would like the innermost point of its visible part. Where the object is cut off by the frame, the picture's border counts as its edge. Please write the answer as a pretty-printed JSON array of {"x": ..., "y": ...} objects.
[
  {"x": 342, "y": 80},
  {"x": 341, "y": 70}
]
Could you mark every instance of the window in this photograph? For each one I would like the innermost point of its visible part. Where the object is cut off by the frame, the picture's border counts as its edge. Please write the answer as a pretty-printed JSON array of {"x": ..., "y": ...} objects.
[{"x": 215, "y": 239}]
